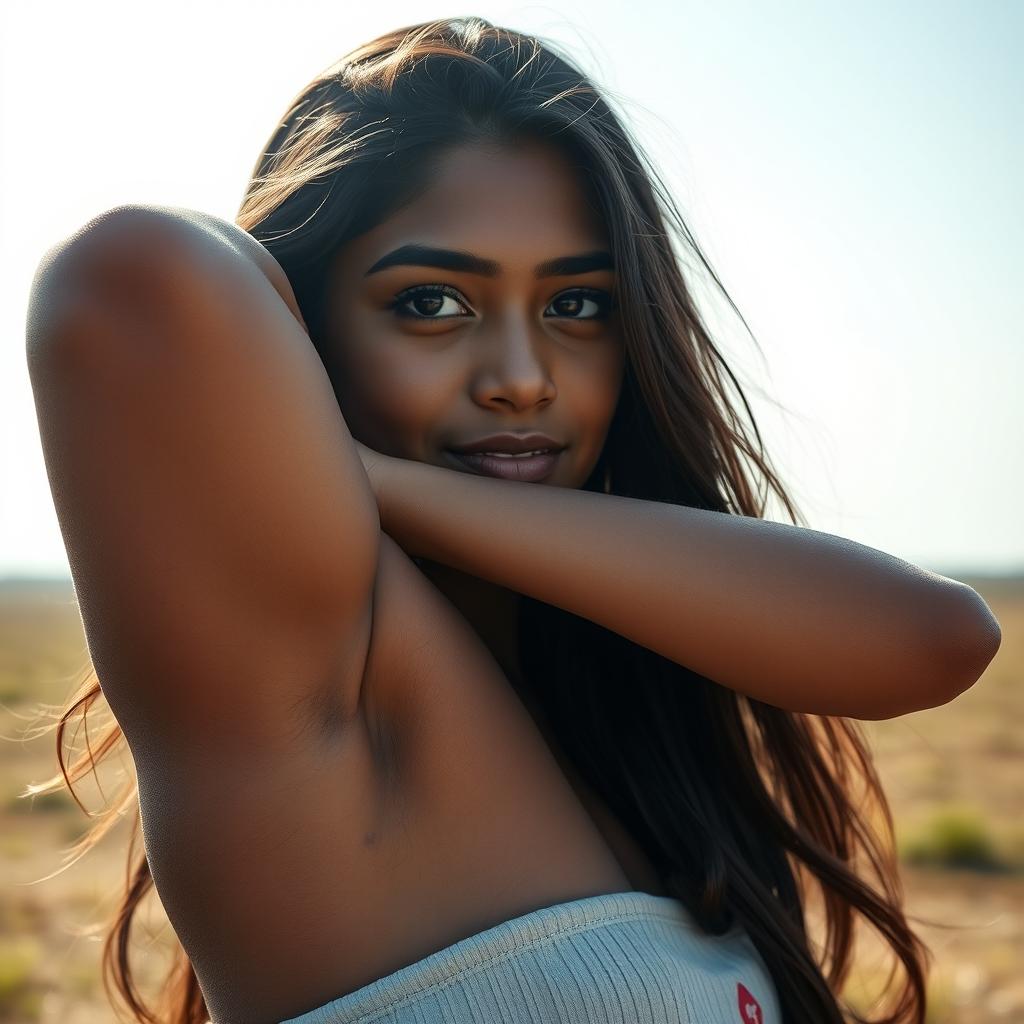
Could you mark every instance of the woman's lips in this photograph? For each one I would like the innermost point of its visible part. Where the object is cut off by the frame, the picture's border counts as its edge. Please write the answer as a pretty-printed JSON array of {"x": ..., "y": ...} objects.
[{"x": 529, "y": 468}]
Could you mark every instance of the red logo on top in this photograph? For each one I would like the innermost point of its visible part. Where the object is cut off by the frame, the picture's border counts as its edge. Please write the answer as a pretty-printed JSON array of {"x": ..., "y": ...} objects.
[{"x": 750, "y": 1009}]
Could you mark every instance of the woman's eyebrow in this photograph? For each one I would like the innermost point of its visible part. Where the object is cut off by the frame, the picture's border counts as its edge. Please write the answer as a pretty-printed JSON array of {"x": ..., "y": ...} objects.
[{"x": 467, "y": 263}]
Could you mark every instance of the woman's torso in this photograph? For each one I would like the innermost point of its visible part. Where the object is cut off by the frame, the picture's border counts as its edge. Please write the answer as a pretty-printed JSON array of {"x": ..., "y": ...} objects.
[{"x": 441, "y": 811}]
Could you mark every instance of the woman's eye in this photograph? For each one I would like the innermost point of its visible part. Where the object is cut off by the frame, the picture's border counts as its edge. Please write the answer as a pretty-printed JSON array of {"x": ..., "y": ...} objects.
[
  {"x": 582, "y": 304},
  {"x": 427, "y": 301},
  {"x": 442, "y": 302}
]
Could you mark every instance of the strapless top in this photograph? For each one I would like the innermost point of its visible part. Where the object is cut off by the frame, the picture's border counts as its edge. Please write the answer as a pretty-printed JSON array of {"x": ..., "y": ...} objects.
[{"x": 617, "y": 958}]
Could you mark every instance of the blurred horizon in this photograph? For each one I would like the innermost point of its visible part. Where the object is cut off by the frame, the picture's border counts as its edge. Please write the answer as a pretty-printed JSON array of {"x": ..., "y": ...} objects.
[{"x": 1013, "y": 575}]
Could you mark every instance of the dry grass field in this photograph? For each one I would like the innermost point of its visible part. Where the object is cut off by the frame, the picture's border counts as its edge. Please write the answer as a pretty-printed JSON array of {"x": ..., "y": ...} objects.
[{"x": 954, "y": 776}]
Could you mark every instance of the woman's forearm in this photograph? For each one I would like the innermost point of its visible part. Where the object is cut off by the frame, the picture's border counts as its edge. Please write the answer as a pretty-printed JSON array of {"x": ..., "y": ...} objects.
[{"x": 804, "y": 620}]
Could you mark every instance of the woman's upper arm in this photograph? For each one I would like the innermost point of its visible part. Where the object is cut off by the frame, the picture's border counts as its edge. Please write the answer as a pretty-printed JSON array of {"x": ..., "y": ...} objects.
[{"x": 221, "y": 531}]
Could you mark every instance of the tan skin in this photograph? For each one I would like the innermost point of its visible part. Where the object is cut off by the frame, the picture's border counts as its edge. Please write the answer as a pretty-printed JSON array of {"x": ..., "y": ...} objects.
[
  {"x": 336, "y": 778},
  {"x": 497, "y": 356}
]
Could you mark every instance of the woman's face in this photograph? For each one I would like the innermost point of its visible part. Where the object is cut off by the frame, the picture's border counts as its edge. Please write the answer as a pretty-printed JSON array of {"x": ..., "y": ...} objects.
[{"x": 428, "y": 357}]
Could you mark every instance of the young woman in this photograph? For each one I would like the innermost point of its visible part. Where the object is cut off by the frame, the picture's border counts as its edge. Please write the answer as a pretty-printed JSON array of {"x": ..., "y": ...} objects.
[{"x": 426, "y": 728}]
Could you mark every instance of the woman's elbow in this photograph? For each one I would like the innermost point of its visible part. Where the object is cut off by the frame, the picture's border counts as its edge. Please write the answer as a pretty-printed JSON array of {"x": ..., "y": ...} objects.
[
  {"x": 959, "y": 638},
  {"x": 967, "y": 636}
]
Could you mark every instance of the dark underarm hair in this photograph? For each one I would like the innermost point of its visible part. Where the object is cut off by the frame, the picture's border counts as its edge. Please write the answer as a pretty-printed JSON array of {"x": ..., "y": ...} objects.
[{"x": 743, "y": 807}]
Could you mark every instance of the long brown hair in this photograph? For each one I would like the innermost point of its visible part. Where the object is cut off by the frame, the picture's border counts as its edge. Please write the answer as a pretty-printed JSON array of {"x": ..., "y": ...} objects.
[{"x": 742, "y": 806}]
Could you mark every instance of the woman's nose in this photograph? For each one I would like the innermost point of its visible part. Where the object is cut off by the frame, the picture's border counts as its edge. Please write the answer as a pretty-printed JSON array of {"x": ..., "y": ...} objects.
[{"x": 515, "y": 364}]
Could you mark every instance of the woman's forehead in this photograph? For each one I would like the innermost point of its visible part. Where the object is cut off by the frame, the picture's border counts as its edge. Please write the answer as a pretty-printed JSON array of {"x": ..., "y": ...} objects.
[{"x": 515, "y": 206}]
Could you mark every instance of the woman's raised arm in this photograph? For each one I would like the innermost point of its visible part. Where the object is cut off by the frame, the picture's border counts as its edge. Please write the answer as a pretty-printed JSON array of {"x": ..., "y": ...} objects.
[{"x": 221, "y": 531}]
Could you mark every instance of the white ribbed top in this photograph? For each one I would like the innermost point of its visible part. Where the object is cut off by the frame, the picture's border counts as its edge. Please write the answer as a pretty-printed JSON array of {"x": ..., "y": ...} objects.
[{"x": 618, "y": 958}]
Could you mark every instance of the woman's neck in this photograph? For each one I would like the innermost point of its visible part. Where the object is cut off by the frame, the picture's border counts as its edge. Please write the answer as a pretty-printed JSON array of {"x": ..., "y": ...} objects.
[{"x": 492, "y": 611}]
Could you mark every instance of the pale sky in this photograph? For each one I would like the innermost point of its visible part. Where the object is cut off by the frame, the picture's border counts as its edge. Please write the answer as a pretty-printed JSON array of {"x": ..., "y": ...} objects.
[{"x": 853, "y": 171}]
